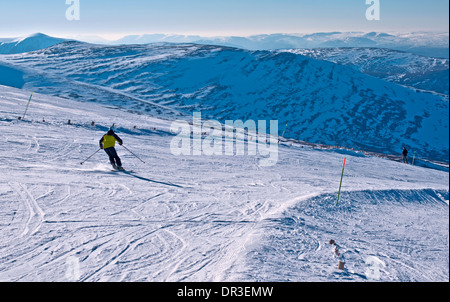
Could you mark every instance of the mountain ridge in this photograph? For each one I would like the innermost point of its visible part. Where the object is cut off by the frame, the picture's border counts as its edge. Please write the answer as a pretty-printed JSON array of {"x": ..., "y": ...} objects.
[
  {"x": 432, "y": 44},
  {"x": 29, "y": 43},
  {"x": 400, "y": 67},
  {"x": 429, "y": 44}
]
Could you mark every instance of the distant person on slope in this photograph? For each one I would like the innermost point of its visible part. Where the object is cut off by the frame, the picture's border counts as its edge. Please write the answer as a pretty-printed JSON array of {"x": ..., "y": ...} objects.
[
  {"x": 405, "y": 156},
  {"x": 107, "y": 143}
]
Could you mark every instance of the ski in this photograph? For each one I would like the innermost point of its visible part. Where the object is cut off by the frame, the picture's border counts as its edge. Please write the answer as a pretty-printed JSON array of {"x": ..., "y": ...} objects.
[{"x": 123, "y": 170}]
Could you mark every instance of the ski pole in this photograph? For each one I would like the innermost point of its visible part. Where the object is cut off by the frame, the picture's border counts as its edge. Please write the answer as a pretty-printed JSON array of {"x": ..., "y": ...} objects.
[
  {"x": 90, "y": 156},
  {"x": 342, "y": 175},
  {"x": 133, "y": 154}
]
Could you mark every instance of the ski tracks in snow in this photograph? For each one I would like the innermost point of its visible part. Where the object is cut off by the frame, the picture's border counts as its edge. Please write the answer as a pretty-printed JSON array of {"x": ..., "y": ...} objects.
[
  {"x": 231, "y": 220},
  {"x": 35, "y": 213},
  {"x": 407, "y": 230}
]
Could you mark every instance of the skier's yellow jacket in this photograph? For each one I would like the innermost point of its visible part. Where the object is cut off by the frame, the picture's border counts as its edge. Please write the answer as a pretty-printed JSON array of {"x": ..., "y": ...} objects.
[{"x": 109, "y": 140}]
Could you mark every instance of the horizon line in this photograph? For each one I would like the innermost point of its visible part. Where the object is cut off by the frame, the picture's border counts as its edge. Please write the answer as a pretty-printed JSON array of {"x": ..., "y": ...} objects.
[{"x": 108, "y": 37}]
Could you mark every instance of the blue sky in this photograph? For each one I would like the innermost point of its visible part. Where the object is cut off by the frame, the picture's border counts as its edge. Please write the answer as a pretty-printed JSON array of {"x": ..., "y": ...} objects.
[{"x": 114, "y": 18}]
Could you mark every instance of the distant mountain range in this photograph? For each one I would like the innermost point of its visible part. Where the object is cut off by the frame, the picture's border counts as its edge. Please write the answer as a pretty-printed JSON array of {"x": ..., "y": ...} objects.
[
  {"x": 422, "y": 43},
  {"x": 320, "y": 101},
  {"x": 430, "y": 44}
]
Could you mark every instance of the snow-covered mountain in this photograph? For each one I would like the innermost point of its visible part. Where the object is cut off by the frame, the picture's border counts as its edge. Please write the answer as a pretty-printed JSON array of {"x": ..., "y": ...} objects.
[
  {"x": 201, "y": 218},
  {"x": 321, "y": 102},
  {"x": 216, "y": 218},
  {"x": 431, "y": 44},
  {"x": 434, "y": 44},
  {"x": 427, "y": 73},
  {"x": 29, "y": 43}
]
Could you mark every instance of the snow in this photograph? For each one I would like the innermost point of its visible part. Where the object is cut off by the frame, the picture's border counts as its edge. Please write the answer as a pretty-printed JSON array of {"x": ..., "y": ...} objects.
[
  {"x": 321, "y": 102},
  {"x": 29, "y": 43},
  {"x": 203, "y": 218},
  {"x": 404, "y": 68},
  {"x": 10, "y": 76},
  {"x": 422, "y": 43}
]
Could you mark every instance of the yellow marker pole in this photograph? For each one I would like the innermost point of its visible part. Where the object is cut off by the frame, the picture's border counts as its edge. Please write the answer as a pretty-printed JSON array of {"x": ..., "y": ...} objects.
[
  {"x": 26, "y": 109},
  {"x": 342, "y": 175}
]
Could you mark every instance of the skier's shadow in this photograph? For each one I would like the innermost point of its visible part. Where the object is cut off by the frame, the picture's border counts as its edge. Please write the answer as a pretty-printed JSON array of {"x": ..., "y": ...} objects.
[{"x": 151, "y": 180}]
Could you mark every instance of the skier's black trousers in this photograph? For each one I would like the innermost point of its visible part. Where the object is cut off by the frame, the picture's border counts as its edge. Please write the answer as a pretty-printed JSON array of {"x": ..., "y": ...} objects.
[{"x": 113, "y": 157}]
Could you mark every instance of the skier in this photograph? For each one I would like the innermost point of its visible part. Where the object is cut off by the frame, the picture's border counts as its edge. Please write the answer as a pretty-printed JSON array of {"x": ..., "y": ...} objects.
[
  {"x": 405, "y": 156},
  {"x": 107, "y": 143}
]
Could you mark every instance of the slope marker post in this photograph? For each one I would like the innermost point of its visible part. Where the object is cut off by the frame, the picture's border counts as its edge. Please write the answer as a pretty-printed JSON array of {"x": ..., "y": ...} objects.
[
  {"x": 28, "y": 104},
  {"x": 340, "y": 185}
]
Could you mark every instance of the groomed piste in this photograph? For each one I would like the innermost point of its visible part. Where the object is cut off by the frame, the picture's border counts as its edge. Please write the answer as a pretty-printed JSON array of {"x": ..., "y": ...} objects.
[{"x": 203, "y": 218}]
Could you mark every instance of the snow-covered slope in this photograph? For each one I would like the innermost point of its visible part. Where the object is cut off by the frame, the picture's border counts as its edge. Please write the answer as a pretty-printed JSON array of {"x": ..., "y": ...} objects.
[
  {"x": 203, "y": 218},
  {"x": 321, "y": 102},
  {"x": 431, "y": 74},
  {"x": 9, "y": 76},
  {"x": 29, "y": 43}
]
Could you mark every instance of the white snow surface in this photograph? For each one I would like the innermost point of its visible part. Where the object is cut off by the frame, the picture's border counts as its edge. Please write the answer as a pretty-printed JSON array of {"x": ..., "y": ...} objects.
[{"x": 203, "y": 218}]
